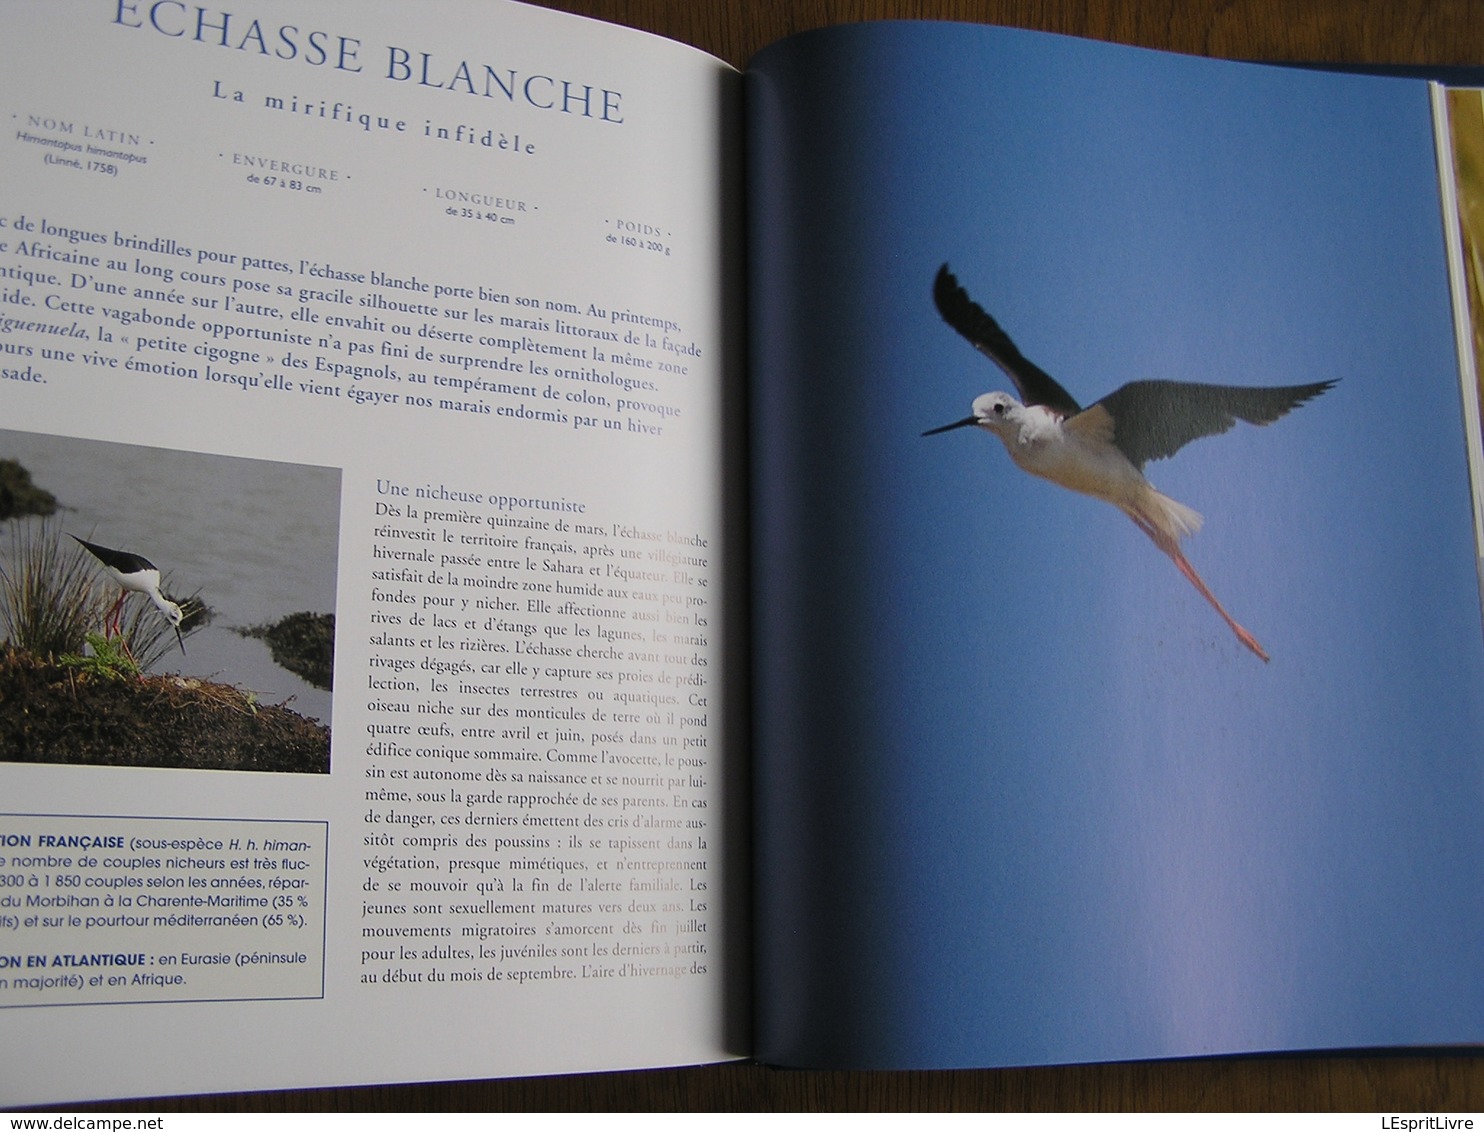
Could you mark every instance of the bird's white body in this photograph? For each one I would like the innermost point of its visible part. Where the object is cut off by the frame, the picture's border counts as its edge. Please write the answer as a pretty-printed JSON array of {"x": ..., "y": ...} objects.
[
  {"x": 1075, "y": 453},
  {"x": 147, "y": 582}
]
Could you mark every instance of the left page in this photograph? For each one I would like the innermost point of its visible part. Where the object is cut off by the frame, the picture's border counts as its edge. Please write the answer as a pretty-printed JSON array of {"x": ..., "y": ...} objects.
[{"x": 363, "y": 371}]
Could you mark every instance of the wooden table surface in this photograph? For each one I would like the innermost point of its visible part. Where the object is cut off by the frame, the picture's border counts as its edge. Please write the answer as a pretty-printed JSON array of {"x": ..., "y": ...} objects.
[{"x": 1341, "y": 31}]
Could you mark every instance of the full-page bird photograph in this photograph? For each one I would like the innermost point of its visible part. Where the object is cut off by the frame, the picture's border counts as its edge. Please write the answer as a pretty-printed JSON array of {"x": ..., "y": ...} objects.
[{"x": 1116, "y": 581}]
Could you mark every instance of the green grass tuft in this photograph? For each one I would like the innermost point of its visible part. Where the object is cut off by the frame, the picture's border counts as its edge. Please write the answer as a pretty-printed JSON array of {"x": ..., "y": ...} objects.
[{"x": 49, "y": 599}]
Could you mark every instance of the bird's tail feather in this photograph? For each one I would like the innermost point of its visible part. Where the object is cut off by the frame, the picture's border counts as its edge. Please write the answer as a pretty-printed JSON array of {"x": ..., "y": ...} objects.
[{"x": 1171, "y": 517}]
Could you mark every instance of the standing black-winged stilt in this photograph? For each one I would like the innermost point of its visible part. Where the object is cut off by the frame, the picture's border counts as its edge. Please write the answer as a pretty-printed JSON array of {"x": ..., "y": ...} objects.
[
  {"x": 135, "y": 574},
  {"x": 1101, "y": 450}
]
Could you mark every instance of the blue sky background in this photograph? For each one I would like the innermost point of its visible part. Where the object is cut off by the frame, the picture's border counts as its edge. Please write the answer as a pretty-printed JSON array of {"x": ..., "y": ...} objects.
[{"x": 1023, "y": 796}]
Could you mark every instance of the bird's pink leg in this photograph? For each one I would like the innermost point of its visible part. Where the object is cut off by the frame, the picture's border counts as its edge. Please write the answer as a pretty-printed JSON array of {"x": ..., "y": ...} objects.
[
  {"x": 1172, "y": 548},
  {"x": 112, "y": 625}
]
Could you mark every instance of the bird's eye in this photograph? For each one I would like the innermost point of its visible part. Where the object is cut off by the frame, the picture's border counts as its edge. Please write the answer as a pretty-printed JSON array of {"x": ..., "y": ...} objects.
[{"x": 999, "y": 410}]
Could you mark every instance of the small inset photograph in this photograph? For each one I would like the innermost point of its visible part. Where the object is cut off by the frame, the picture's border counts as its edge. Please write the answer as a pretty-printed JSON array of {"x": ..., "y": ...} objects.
[{"x": 165, "y": 608}]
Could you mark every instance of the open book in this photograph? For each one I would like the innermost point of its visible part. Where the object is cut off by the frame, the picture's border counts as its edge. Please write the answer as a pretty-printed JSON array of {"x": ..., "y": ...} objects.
[{"x": 479, "y": 600}]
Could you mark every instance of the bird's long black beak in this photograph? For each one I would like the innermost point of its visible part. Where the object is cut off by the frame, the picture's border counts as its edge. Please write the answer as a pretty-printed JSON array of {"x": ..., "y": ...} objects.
[
  {"x": 956, "y": 424},
  {"x": 180, "y": 640}
]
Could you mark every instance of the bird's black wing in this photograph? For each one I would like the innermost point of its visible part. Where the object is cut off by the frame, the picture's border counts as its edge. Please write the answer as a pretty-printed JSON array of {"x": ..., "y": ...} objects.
[
  {"x": 1154, "y": 419},
  {"x": 1036, "y": 386},
  {"x": 120, "y": 560}
]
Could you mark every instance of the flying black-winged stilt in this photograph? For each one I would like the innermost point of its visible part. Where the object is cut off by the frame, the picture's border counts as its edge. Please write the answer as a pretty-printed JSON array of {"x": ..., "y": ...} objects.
[
  {"x": 1101, "y": 450},
  {"x": 135, "y": 574}
]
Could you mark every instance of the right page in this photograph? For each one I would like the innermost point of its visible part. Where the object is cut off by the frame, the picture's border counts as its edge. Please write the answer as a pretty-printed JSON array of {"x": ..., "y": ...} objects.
[{"x": 1025, "y": 794}]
